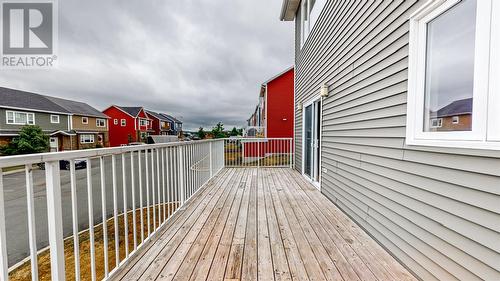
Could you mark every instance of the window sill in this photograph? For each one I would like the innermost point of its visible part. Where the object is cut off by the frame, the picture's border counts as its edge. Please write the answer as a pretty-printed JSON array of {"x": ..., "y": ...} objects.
[{"x": 480, "y": 145}]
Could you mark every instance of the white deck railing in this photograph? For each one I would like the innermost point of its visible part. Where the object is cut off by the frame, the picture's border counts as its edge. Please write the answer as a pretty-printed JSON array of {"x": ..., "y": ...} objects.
[
  {"x": 148, "y": 182},
  {"x": 258, "y": 152}
]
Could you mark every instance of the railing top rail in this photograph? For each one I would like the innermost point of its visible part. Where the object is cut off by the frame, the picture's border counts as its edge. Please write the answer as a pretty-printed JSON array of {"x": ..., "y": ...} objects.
[
  {"x": 9, "y": 161},
  {"x": 256, "y": 138}
]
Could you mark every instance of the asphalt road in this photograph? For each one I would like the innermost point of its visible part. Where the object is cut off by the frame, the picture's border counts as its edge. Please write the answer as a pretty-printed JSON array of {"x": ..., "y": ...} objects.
[{"x": 16, "y": 206}]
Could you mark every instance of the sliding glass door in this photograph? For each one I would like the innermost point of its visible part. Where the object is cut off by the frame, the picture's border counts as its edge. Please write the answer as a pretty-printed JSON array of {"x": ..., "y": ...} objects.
[{"x": 311, "y": 140}]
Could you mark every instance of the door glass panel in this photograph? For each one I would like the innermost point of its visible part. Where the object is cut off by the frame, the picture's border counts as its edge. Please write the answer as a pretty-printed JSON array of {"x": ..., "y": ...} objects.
[
  {"x": 449, "y": 73},
  {"x": 317, "y": 130},
  {"x": 308, "y": 140}
]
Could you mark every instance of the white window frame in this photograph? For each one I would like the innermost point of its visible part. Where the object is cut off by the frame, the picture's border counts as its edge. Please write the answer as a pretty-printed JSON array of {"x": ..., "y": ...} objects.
[
  {"x": 14, "y": 118},
  {"x": 313, "y": 15},
  {"x": 483, "y": 135},
  {"x": 85, "y": 120},
  {"x": 87, "y": 138},
  {"x": 143, "y": 122},
  {"x": 455, "y": 119},
  {"x": 103, "y": 122},
  {"x": 115, "y": 121},
  {"x": 123, "y": 122},
  {"x": 57, "y": 119}
]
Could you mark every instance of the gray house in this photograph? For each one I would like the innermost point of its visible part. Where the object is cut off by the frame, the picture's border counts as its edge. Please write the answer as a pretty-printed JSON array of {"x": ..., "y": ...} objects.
[
  {"x": 370, "y": 76},
  {"x": 70, "y": 124}
]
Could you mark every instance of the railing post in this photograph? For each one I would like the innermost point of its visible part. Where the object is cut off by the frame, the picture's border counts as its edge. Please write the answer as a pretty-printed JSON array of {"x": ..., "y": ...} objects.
[
  {"x": 291, "y": 153},
  {"x": 181, "y": 174},
  {"x": 54, "y": 220},
  {"x": 258, "y": 153},
  {"x": 4, "y": 269},
  {"x": 210, "y": 153}
]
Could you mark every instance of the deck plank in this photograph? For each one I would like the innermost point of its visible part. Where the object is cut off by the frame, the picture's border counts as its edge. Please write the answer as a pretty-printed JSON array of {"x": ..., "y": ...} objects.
[
  {"x": 264, "y": 258},
  {"x": 315, "y": 256},
  {"x": 210, "y": 229},
  {"x": 280, "y": 262},
  {"x": 138, "y": 262},
  {"x": 168, "y": 261},
  {"x": 261, "y": 224},
  {"x": 235, "y": 260},
  {"x": 224, "y": 226},
  {"x": 295, "y": 192},
  {"x": 382, "y": 265},
  {"x": 249, "y": 263}
]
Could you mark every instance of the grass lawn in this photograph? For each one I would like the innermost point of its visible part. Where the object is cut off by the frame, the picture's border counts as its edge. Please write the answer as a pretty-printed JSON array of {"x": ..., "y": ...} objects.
[
  {"x": 23, "y": 272},
  {"x": 13, "y": 168}
]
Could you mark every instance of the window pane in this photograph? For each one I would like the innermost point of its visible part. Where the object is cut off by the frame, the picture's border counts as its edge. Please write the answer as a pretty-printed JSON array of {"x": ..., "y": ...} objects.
[{"x": 449, "y": 77}]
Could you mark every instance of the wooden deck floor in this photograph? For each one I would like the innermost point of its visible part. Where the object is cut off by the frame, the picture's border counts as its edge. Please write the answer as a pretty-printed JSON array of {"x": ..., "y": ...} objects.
[{"x": 266, "y": 224}]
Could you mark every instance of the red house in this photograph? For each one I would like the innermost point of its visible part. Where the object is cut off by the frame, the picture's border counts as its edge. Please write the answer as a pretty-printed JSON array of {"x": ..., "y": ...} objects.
[
  {"x": 159, "y": 124},
  {"x": 127, "y": 125},
  {"x": 273, "y": 116}
]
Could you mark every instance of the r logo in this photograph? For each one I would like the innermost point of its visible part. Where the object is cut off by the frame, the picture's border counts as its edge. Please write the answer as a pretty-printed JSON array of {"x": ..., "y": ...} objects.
[{"x": 27, "y": 28}]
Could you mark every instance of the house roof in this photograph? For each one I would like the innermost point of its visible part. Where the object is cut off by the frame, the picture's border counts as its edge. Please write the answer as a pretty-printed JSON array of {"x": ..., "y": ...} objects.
[
  {"x": 289, "y": 9},
  {"x": 132, "y": 110},
  {"x": 12, "y": 98},
  {"x": 170, "y": 118},
  {"x": 78, "y": 108},
  {"x": 458, "y": 107},
  {"x": 264, "y": 85},
  {"x": 157, "y": 115}
]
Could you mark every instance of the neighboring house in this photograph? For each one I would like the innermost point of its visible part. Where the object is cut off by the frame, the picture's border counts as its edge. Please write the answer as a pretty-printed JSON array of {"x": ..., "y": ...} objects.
[
  {"x": 175, "y": 125},
  {"x": 55, "y": 116},
  {"x": 456, "y": 116},
  {"x": 273, "y": 116},
  {"x": 127, "y": 125},
  {"x": 160, "y": 124},
  {"x": 368, "y": 75},
  {"x": 89, "y": 125}
]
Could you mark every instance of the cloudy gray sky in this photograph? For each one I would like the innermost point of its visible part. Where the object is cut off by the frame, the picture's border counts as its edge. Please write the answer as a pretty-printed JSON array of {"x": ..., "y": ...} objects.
[{"x": 200, "y": 60}]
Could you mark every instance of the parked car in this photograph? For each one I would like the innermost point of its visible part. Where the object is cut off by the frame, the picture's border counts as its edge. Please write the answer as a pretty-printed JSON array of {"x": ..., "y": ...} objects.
[
  {"x": 136, "y": 143},
  {"x": 65, "y": 164}
]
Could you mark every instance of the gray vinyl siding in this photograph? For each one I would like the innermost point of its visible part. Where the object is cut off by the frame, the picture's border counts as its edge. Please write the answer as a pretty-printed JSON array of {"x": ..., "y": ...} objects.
[
  {"x": 41, "y": 119},
  {"x": 437, "y": 210}
]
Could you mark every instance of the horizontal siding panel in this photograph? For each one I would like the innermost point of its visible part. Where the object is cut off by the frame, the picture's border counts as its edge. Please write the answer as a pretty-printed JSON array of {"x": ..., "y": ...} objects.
[
  {"x": 488, "y": 237},
  {"x": 388, "y": 71},
  {"x": 381, "y": 85},
  {"x": 385, "y": 211},
  {"x": 379, "y": 151},
  {"x": 435, "y": 209},
  {"x": 333, "y": 39},
  {"x": 368, "y": 32},
  {"x": 389, "y": 107},
  {"x": 370, "y": 39},
  {"x": 354, "y": 100},
  {"x": 483, "y": 165},
  {"x": 372, "y": 142},
  {"x": 462, "y": 178},
  {"x": 377, "y": 133},
  {"x": 465, "y": 195},
  {"x": 392, "y": 242},
  {"x": 361, "y": 73},
  {"x": 377, "y": 122},
  {"x": 399, "y": 203}
]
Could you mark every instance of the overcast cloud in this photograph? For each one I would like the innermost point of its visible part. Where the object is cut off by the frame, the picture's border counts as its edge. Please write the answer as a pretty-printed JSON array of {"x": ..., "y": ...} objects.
[{"x": 202, "y": 61}]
